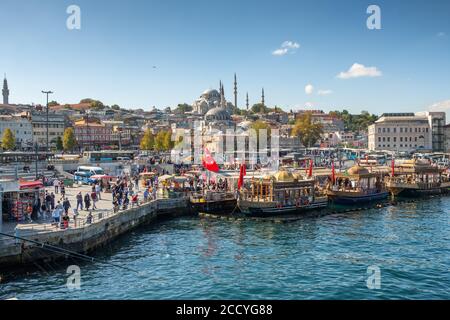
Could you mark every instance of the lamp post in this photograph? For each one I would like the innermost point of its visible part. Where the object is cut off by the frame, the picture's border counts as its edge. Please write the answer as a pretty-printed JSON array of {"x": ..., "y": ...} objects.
[
  {"x": 47, "y": 93},
  {"x": 36, "y": 159}
]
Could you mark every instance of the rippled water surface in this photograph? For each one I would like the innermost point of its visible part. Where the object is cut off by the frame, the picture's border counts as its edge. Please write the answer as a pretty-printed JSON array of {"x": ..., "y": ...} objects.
[{"x": 317, "y": 257}]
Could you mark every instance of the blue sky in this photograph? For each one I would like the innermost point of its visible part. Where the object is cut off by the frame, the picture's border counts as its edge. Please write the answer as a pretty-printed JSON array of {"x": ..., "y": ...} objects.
[{"x": 195, "y": 44}]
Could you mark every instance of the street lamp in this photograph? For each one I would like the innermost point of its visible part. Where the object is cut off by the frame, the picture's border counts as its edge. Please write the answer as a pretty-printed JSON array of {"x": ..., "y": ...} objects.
[{"x": 47, "y": 93}]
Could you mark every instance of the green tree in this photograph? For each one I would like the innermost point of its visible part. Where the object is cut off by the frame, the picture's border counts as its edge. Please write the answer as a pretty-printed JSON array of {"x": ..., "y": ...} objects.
[
  {"x": 159, "y": 141},
  {"x": 69, "y": 141},
  {"x": 115, "y": 107},
  {"x": 59, "y": 144},
  {"x": 168, "y": 143},
  {"x": 308, "y": 131},
  {"x": 53, "y": 103},
  {"x": 8, "y": 140},
  {"x": 182, "y": 108},
  {"x": 148, "y": 140}
]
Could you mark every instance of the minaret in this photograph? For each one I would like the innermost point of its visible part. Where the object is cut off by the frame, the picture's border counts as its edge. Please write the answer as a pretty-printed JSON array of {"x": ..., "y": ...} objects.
[
  {"x": 235, "y": 91},
  {"x": 5, "y": 91},
  {"x": 262, "y": 97},
  {"x": 246, "y": 101}
]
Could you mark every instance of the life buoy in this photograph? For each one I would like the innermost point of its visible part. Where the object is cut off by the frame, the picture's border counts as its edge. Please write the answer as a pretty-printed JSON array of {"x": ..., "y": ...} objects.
[
  {"x": 298, "y": 203},
  {"x": 279, "y": 206}
]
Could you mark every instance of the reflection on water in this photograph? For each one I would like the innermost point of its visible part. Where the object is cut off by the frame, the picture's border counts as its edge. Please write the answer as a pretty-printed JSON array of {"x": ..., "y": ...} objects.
[{"x": 316, "y": 257}]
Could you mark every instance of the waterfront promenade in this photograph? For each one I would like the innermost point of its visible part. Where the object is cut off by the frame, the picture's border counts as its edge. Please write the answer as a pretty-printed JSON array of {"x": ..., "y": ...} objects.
[{"x": 81, "y": 236}]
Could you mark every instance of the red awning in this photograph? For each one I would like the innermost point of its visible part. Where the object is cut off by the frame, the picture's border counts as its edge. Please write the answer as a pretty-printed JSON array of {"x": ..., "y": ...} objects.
[{"x": 30, "y": 185}]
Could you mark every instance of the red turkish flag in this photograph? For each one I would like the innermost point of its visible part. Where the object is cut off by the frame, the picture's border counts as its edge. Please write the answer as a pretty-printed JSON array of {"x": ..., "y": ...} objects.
[
  {"x": 208, "y": 162},
  {"x": 242, "y": 173}
]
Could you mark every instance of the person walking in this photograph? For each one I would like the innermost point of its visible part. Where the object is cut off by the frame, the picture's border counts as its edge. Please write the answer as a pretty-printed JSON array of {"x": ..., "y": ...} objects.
[
  {"x": 94, "y": 199},
  {"x": 98, "y": 191},
  {"x": 56, "y": 185},
  {"x": 52, "y": 202},
  {"x": 87, "y": 201},
  {"x": 62, "y": 189},
  {"x": 79, "y": 201},
  {"x": 66, "y": 206}
]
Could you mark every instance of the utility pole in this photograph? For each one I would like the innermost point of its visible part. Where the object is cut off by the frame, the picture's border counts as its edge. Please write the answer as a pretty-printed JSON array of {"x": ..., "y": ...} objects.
[
  {"x": 47, "y": 93},
  {"x": 36, "y": 159}
]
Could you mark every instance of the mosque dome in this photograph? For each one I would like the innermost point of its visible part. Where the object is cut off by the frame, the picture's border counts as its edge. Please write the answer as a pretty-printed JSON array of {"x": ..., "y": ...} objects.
[
  {"x": 217, "y": 114},
  {"x": 358, "y": 170},
  {"x": 245, "y": 125},
  {"x": 284, "y": 176},
  {"x": 210, "y": 93}
]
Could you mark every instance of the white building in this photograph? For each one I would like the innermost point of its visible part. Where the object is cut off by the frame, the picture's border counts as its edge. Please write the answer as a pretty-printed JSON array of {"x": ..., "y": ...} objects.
[
  {"x": 56, "y": 125},
  {"x": 21, "y": 128},
  {"x": 406, "y": 132}
]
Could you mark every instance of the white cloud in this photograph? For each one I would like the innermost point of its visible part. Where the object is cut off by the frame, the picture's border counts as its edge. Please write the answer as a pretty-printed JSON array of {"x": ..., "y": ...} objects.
[
  {"x": 358, "y": 70},
  {"x": 441, "y": 34},
  {"x": 440, "y": 106},
  {"x": 324, "y": 92},
  {"x": 309, "y": 89},
  {"x": 286, "y": 47}
]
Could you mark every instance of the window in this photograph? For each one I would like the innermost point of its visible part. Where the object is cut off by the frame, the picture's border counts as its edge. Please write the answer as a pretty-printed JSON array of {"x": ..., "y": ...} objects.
[
  {"x": 379, "y": 139},
  {"x": 395, "y": 139},
  {"x": 384, "y": 139},
  {"x": 401, "y": 130},
  {"x": 401, "y": 139},
  {"x": 388, "y": 130}
]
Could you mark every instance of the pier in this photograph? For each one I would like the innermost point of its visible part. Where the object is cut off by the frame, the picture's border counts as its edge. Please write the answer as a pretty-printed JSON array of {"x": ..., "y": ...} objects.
[{"x": 81, "y": 236}]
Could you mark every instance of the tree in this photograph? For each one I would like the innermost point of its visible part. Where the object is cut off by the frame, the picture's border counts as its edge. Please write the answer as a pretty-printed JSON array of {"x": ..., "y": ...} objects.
[
  {"x": 159, "y": 141},
  {"x": 182, "y": 108},
  {"x": 69, "y": 141},
  {"x": 307, "y": 130},
  {"x": 59, "y": 144},
  {"x": 53, "y": 103},
  {"x": 259, "y": 108},
  {"x": 8, "y": 140},
  {"x": 97, "y": 105},
  {"x": 148, "y": 140},
  {"x": 168, "y": 143},
  {"x": 115, "y": 107}
]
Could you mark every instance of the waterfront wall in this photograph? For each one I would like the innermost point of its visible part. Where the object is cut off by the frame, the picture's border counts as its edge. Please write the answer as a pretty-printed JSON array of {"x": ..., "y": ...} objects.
[{"x": 87, "y": 237}]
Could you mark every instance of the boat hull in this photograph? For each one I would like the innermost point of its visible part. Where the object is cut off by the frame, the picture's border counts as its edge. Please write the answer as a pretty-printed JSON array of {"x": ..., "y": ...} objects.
[
  {"x": 271, "y": 210},
  {"x": 214, "y": 207},
  {"x": 348, "y": 198},
  {"x": 415, "y": 190}
]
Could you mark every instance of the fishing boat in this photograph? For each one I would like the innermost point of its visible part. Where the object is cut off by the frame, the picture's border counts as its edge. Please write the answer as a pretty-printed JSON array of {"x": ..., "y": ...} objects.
[
  {"x": 213, "y": 201},
  {"x": 280, "y": 194},
  {"x": 413, "y": 178},
  {"x": 357, "y": 185}
]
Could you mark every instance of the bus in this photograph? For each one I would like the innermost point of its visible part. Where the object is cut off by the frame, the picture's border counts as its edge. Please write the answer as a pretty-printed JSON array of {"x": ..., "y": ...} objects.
[
  {"x": 84, "y": 173},
  {"x": 107, "y": 155}
]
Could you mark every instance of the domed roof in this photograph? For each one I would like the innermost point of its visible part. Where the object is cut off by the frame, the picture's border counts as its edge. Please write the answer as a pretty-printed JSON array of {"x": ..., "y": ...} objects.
[
  {"x": 245, "y": 124},
  {"x": 284, "y": 176},
  {"x": 210, "y": 93},
  {"x": 217, "y": 113},
  {"x": 358, "y": 170}
]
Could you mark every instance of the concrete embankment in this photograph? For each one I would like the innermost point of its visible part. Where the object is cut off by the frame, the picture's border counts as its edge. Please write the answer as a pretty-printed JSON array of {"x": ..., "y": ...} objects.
[{"x": 85, "y": 238}]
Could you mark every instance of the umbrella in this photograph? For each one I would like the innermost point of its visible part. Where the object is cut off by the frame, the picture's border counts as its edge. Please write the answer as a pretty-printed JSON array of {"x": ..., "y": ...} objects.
[{"x": 165, "y": 177}]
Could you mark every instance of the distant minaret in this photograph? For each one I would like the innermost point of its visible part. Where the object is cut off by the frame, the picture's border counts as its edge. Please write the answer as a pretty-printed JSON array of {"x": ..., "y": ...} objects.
[
  {"x": 5, "y": 91},
  {"x": 262, "y": 97},
  {"x": 246, "y": 101},
  {"x": 235, "y": 91}
]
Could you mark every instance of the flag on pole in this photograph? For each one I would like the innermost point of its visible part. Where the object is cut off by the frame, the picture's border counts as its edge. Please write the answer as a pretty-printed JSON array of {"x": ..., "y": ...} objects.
[
  {"x": 208, "y": 162},
  {"x": 333, "y": 173},
  {"x": 242, "y": 173},
  {"x": 310, "y": 168}
]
